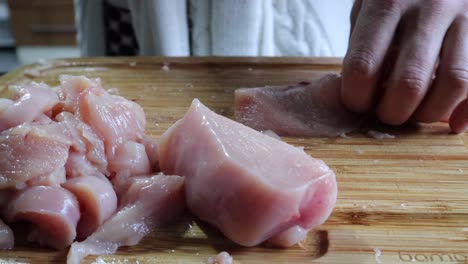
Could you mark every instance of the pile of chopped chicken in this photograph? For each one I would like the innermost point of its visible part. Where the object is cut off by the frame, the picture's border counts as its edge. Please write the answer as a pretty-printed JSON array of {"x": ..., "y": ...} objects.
[{"x": 75, "y": 163}]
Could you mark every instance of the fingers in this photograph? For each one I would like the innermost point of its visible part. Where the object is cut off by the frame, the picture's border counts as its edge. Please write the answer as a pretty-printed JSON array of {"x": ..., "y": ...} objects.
[
  {"x": 419, "y": 51},
  {"x": 451, "y": 85},
  {"x": 371, "y": 37},
  {"x": 459, "y": 118},
  {"x": 354, "y": 13}
]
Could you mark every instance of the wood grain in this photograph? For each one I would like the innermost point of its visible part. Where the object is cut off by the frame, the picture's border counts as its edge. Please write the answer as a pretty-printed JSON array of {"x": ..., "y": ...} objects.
[{"x": 404, "y": 197}]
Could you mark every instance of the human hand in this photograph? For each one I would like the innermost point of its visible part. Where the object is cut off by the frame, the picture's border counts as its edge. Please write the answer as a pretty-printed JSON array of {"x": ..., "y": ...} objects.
[{"x": 396, "y": 48}]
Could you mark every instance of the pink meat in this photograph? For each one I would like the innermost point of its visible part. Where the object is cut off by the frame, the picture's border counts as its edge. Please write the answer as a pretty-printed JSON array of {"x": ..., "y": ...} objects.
[
  {"x": 148, "y": 203},
  {"x": 131, "y": 156},
  {"x": 222, "y": 258},
  {"x": 56, "y": 178},
  {"x": 7, "y": 239},
  {"x": 304, "y": 109},
  {"x": 151, "y": 147},
  {"x": 84, "y": 142},
  {"x": 72, "y": 89},
  {"x": 113, "y": 118},
  {"x": 78, "y": 165},
  {"x": 29, "y": 102},
  {"x": 43, "y": 119},
  {"x": 28, "y": 152},
  {"x": 74, "y": 136},
  {"x": 53, "y": 210},
  {"x": 97, "y": 200},
  {"x": 260, "y": 188}
]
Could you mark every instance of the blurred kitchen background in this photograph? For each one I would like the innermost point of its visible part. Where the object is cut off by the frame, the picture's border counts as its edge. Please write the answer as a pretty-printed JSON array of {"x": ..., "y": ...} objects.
[{"x": 35, "y": 30}]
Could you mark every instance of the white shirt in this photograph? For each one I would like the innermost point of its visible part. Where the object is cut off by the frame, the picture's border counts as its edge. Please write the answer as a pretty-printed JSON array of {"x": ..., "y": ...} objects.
[{"x": 225, "y": 27}]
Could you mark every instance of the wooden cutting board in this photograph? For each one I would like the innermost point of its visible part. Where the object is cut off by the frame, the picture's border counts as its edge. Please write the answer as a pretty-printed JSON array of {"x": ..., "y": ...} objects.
[{"x": 400, "y": 200}]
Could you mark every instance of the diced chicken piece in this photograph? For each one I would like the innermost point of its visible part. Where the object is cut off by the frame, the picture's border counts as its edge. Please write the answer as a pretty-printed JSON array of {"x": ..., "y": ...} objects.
[
  {"x": 151, "y": 147},
  {"x": 7, "y": 239},
  {"x": 55, "y": 178},
  {"x": 222, "y": 258},
  {"x": 304, "y": 109},
  {"x": 29, "y": 102},
  {"x": 148, "y": 203},
  {"x": 121, "y": 182},
  {"x": 131, "y": 156},
  {"x": 272, "y": 134},
  {"x": 259, "y": 187},
  {"x": 5, "y": 103},
  {"x": 289, "y": 237},
  {"x": 85, "y": 141},
  {"x": 115, "y": 119},
  {"x": 78, "y": 165},
  {"x": 72, "y": 89},
  {"x": 53, "y": 210},
  {"x": 27, "y": 152},
  {"x": 42, "y": 120},
  {"x": 97, "y": 200}
]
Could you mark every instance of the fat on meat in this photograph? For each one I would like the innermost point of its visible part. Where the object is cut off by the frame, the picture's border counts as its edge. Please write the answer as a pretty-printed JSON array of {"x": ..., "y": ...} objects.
[
  {"x": 53, "y": 211},
  {"x": 26, "y": 104},
  {"x": 250, "y": 186},
  {"x": 97, "y": 200},
  {"x": 32, "y": 151},
  {"x": 304, "y": 109},
  {"x": 7, "y": 239},
  {"x": 148, "y": 203}
]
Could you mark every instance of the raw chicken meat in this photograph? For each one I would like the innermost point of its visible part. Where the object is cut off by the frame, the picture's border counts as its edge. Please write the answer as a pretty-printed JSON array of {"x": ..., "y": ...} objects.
[
  {"x": 7, "y": 240},
  {"x": 97, "y": 200},
  {"x": 78, "y": 165},
  {"x": 59, "y": 150},
  {"x": 84, "y": 141},
  {"x": 304, "y": 109},
  {"x": 131, "y": 156},
  {"x": 32, "y": 151},
  {"x": 148, "y": 203},
  {"x": 53, "y": 210},
  {"x": 115, "y": 119},
  {"x": 222, "y": 258},
  {"x": 260, "y": 188},
  {"x": 27, "y": 104},
  {"x": 151, "y": 147}
]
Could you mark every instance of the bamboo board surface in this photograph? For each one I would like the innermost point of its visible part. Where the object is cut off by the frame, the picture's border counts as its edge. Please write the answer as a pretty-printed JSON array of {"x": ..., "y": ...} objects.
[{"x": 405, "y": 198}]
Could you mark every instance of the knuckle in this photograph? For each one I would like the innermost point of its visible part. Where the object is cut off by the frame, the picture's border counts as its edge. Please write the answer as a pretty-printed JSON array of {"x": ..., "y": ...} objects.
[
  {"x": 360, "y": 63},
  {"x": 457, "y": 78},
  {"x": 384, "y": 9},
  {"x": 437, "y": 6},
  {"x": 390, "y": 6},
  {"x": 412, "y": 87},
  {"x": 412, "y": 83}
]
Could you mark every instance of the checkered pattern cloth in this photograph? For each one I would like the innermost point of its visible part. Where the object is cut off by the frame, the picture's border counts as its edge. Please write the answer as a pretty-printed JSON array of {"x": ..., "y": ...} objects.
[{"x": 120, "y": 37}]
